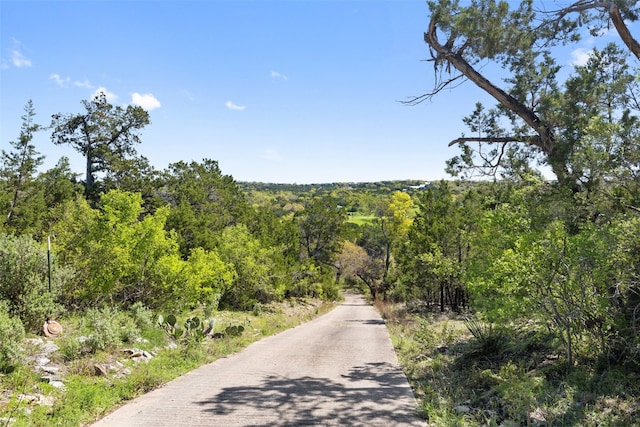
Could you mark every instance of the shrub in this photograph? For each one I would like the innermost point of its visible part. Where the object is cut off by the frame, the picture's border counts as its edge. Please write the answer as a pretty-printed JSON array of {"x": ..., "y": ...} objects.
[
  {"x": 106, "y": 328},
  {"x": 142, "y": 316},
  {"x": 24, "y": 281},
  {"x": 11, "y": 335},
  {"x": 490, "y": 340}
]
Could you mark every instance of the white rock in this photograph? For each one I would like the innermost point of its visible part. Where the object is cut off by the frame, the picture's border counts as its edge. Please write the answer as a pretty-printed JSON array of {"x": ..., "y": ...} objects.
[
  {"x": 57, "y": 384},
  {"x": 462, "y": 409}
]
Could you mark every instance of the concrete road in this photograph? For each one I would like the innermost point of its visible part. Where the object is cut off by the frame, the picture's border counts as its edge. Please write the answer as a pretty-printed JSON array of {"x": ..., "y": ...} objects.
[{"x": 337, "y": 370}]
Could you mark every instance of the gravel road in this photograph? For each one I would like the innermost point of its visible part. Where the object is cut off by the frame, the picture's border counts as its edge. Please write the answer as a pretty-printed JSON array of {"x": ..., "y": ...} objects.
[{"x": 337, "y": 370}]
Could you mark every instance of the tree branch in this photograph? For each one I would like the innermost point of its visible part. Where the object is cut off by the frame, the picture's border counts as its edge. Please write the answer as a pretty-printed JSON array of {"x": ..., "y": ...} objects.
[
  {"x": 529, "y": 140},
  {"x": 616, "y": 18},
  {"x": 546, "y": 137}
]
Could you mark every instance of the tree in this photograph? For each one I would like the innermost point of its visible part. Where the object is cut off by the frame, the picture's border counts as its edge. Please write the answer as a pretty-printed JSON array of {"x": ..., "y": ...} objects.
[
  {"x": 104, "y": 135},
  {"x": 256, "y": 270},
  {"x": 321, "y": 224},
  {"x": 382, "y": 238},
  {"x": 203, "y": 201},
  {"x": 432, "y": 260},
  {"x": 18, "y": 172},
  {"x": 461, "y": 39},
  {"x": 59, "y": 184},
  {"x": 355, "y": 262}
]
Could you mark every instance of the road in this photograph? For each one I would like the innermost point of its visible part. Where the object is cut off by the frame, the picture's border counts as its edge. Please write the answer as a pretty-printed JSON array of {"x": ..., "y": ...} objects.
[{"x": 339, "y": 369}]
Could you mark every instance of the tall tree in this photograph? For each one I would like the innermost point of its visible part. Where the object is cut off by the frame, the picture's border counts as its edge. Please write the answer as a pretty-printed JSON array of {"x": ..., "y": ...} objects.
[
  {"x": 103, "y": 134},
  {"x": 19, "y": 167},
  {"x": 462, "y": 38}
]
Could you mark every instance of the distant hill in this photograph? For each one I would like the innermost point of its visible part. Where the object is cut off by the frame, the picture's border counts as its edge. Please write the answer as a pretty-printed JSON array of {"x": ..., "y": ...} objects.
[{"x": 380, "y": 187}]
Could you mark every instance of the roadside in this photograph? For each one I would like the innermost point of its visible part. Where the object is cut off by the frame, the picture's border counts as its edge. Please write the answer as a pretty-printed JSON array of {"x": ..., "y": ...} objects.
[{"x": 101, "y": 361}]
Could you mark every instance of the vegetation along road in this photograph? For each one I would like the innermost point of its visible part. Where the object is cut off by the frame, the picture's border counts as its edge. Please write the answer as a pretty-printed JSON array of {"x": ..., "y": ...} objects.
[{"x": 339, "y": 369}]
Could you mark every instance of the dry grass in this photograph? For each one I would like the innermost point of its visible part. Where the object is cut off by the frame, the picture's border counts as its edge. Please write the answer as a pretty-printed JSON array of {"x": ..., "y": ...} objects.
[{"x": 510, "y": 376}]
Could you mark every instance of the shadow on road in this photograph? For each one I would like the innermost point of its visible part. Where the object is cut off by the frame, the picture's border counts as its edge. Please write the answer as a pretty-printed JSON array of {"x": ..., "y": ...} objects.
[{"x": 369, "y": 396}]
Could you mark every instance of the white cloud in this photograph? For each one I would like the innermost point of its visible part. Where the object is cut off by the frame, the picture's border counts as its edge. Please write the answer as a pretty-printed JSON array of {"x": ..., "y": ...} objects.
[
  {"x": 146, "y": 101},
  {"x": 278, "y": 76},
  {"x": 580, "y": 56},
  {"x": 231, "y": 106},
  {"x": 271, "y": 154},
  {"x": 84, "y": 84},
  {"x": 59, "y": 80},
  {"x": 19, "y": 60},
  {"x": 111, "y": 97}
]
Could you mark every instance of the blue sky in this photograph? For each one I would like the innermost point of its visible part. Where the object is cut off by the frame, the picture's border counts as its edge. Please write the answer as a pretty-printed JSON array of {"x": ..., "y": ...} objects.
[{"x": 275, "y": 91}]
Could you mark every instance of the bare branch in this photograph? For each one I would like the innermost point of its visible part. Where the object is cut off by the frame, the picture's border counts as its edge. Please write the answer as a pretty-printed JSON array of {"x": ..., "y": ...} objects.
[
  {"x": 439, "y": 87},
  {"x": 496, "y": 140}
]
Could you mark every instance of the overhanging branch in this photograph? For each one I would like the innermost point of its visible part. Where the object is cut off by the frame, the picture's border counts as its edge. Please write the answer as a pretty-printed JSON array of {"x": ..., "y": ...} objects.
[{"x": 501, "y": 140}]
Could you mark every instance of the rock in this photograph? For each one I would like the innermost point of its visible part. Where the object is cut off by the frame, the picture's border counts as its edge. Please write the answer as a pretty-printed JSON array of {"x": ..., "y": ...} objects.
[
  {"x": 27, "y": 398},
  {"x": 35, "y": 342},
  {"x": 42, "y": 360},
  {"x": 45, "y": 400},
  {"x": 99, "y": 370},
  {"x": 50, "y": 369},
  {"x": 49, "y": 347},
  {"x": 57, "y": 384},
  {"x": 462, "y": 409},
  {"x": 50, "y": 378},
  {"x": 537, "y": 417}
]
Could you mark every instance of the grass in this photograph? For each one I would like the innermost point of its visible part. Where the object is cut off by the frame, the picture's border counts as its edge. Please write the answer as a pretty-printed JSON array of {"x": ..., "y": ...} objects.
[
  {"x": 360, "y": 219},
  {"x": 506, "y": 376},
  {"x": 87, "y": 397}
]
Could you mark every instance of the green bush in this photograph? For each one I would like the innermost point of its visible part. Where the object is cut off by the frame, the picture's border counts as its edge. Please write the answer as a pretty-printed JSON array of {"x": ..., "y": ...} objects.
[
  {"x": 11, "y": 335},
  {"x": 107, "y": 328},
  {"x": 70, "y": 348},
  {"x": 142, "y": 315},
  {"x": 24, "y": 281}
]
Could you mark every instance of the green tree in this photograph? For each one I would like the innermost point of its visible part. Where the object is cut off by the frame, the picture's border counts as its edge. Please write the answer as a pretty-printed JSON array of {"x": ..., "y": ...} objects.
[
  {"x": 135, "y": 175},
  {"x": 532, "y": 122},
  {"x": 59, "y": 184},
  {"x": 105, "y": 135},
  {"x": 257, "y": 279},
  {"x": 433, "y": 259},
  {"x": 116, "y": 251},
  {"x": 321, "y": 225},
  {"x": 25, "y": 203},
  {"x": 203, "y": 201},
  {"x": 382, "y": 238}
]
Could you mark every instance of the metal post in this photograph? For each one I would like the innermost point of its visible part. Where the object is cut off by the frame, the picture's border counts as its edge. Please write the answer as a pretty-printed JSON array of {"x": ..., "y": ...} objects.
[{"x": 49, "y": 259}]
